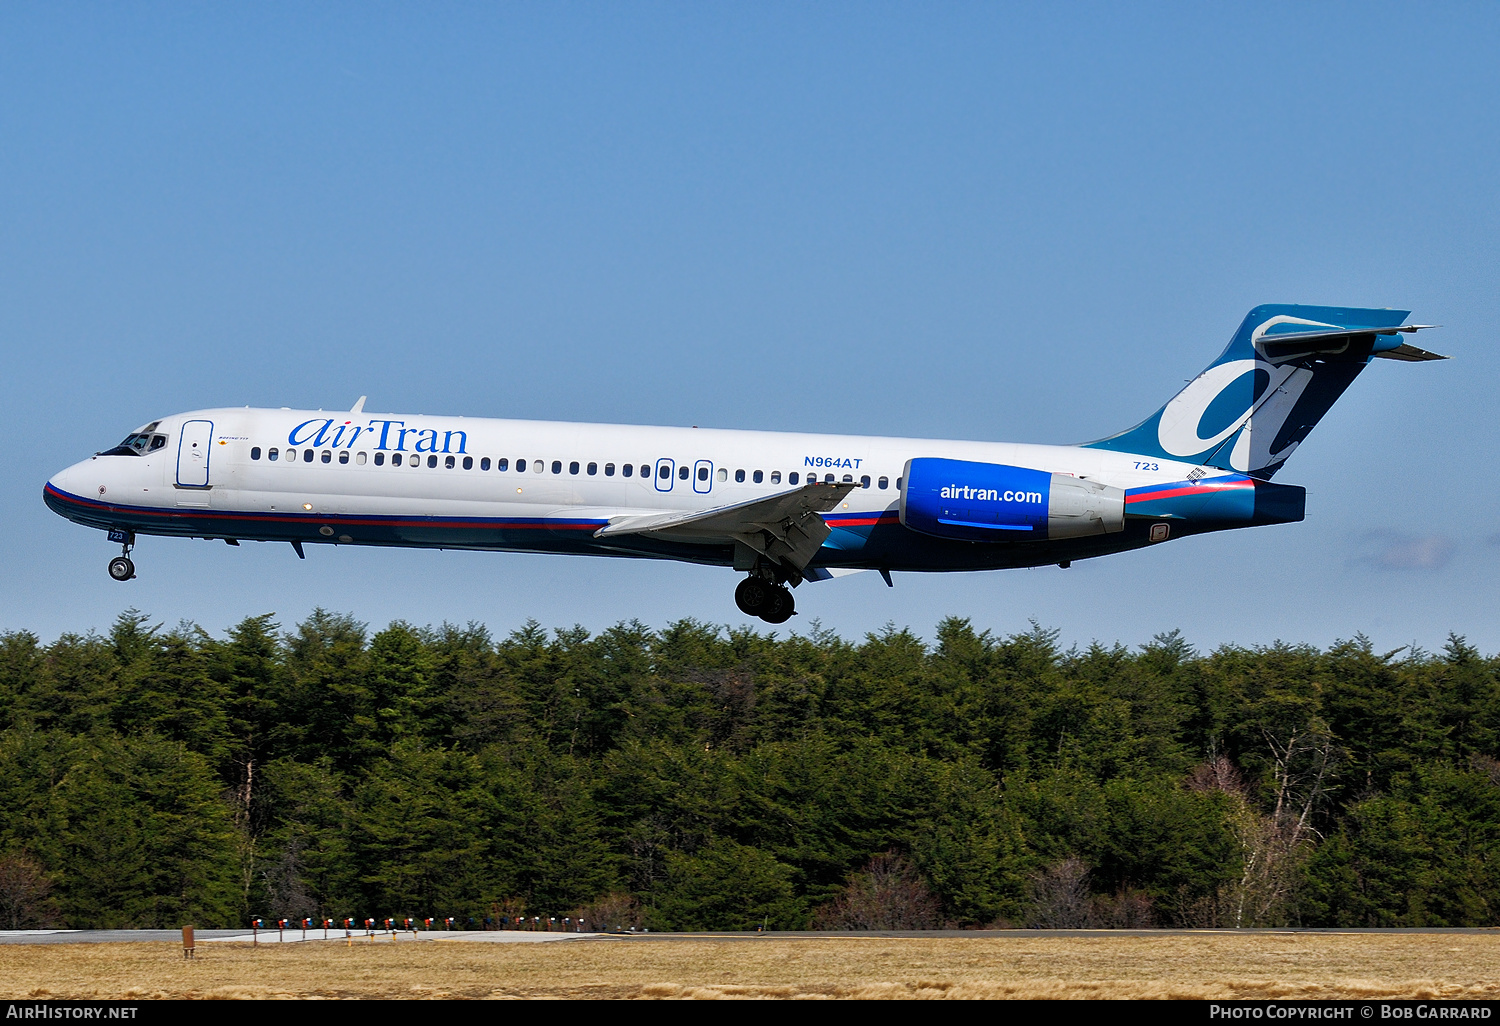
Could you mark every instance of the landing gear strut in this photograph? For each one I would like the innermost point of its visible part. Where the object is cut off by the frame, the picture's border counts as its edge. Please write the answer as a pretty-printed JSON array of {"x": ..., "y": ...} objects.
[
  {"x": 763, "y": 597},
  {"x": 122, "y": 568}
]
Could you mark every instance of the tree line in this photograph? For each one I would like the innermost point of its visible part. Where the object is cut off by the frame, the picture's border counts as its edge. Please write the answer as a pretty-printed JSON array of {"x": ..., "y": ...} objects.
[{"x": 698, "y": 777}]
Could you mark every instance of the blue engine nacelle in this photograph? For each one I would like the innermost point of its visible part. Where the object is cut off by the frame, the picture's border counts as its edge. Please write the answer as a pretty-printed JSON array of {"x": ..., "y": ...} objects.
[{"x": 992, "y": 502}]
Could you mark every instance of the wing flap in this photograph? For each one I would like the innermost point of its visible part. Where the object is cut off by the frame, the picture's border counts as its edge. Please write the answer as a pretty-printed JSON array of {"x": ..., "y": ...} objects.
[{"x": 785, "y": 527}]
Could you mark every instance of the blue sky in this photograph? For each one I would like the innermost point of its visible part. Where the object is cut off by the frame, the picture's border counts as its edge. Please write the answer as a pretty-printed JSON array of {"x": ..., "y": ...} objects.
[{"x": 1010, "y": 222}]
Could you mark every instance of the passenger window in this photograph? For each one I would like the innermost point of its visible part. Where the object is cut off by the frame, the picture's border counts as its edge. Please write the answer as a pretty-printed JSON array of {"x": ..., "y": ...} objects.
[
  {"x": 739, "y": 477},
  {"x": 255, "y": 452},
  {"x": 271, "y": 455},
  {"x": 307, "y": 455},
  {"x": 884, "y": 483},
  {"x": 344, "y": 456},
  {"x": 380, "y": 459},
  {"x": 776, "y": 477},
  {"x": 864, "y": 481},
  {"x": 848, "y": 478},
  {"x": 557, "y": 466},
  {"x": 395, "y": 459},
  {"x": 683, "y": 472},
  {"x": 828, "y": 479},
  {"x": 665, "y": 471},
  {"x": 468, "y": 463},
  {"x": 327, "y": 456},
  {"x": 759, "y": 476},
  {"x": 609, "y": 470},
  {"x": 504, "y": 464},
  {"x": 484, "y": 464},
  {"x": 627, "y": 469},
  {"x": 359, "y": 458},
  {"x": 593, "y": 469},
  {"x": 791, "y": 478},
  {"x": 572, "y": 467},
  {"x": 702, "y": 473},
  {"x": 447, "y": 462},
  {"x": 722, "y": 475},
  {"x": 432, "y": 462},
  {"x": 540, "y": 466},
  {"x": 646, "y": 470},
  {"x": 898, "y": 484}
]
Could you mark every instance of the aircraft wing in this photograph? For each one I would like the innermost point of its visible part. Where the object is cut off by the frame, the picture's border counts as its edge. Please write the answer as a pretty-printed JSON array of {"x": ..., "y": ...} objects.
[{"x": 785, "y": 527}]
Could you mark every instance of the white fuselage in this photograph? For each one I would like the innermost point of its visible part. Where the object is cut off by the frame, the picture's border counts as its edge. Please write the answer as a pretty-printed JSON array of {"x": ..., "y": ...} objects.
[{"x": 343, "y": 465}]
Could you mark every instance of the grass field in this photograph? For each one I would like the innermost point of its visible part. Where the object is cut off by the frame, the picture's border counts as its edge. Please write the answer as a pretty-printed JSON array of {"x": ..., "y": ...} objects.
[{"x": 1208, "y": 965}]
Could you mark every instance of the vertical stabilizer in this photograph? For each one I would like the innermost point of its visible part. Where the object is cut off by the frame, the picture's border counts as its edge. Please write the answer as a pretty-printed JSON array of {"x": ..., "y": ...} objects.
[{"x": 1283, "y": 369}]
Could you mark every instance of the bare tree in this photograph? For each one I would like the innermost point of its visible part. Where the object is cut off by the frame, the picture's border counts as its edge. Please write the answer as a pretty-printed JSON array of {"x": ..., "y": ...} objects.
[
  {"x": 1272, "y": 845},
  {"x": 1127, "y": 909},
  {"x": 1217, "y": 774},
  {"x": 888, "y": 894},
  {"x": 1489, "y": 767},
  {"x": 287, "y": 891},
  {"x": 614, "y": 911},
  {"x": 239, "y": 799},
  {"x": 24, "y": 893},
  {"x": 1060, "y": 897}
]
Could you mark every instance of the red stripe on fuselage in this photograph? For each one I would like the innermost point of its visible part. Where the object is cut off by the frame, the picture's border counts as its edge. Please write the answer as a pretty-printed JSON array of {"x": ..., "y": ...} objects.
[{"x": 1171, "y": 492}]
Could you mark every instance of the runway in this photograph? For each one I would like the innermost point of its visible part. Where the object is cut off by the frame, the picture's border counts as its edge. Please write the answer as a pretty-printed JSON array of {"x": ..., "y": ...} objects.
[
  {"x": 296, "y": 936},
  {"x": 1203, "y": 965},
  {"x": 290, "y": 936}
]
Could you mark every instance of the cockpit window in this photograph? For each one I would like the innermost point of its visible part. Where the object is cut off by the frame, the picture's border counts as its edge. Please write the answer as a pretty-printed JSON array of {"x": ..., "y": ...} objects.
[{"x": 137, "y": 444}]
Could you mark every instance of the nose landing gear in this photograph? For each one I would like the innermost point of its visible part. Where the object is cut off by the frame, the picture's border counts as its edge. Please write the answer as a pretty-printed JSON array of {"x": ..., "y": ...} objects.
[
  {"x": 759, "y": 596},
  {"x": 122, "y": 568}
]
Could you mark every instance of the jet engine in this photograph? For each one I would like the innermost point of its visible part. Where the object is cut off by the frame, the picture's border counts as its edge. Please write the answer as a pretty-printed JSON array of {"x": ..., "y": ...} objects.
[{"x": 992, "y": 502}]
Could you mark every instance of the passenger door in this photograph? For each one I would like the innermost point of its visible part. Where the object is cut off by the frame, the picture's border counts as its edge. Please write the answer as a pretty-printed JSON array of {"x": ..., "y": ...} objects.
[{"x": 193, "y": 453}]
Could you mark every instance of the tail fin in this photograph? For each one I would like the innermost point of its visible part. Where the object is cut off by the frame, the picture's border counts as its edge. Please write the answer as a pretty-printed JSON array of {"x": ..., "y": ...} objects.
[{"x": 1283, "y": 369}]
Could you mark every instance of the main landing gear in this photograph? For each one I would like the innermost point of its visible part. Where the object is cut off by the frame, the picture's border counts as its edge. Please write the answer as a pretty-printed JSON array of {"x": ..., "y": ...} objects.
[
  {"x": 762, "y": 597},
  {"x": 122, "y": 568}
]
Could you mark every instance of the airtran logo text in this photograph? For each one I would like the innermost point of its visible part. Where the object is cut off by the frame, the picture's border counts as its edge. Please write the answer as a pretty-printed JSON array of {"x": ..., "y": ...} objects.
[
  {"x": 393, "y": 436},
  {"x": 989, "y": 494}
]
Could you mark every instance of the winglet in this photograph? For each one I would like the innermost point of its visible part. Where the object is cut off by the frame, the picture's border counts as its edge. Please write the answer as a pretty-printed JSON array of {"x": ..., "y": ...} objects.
[{"x": 359, "y": 407}]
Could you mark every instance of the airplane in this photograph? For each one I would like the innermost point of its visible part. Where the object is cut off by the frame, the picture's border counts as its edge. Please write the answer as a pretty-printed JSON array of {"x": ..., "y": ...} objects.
[{"x": 780, "y": 508}]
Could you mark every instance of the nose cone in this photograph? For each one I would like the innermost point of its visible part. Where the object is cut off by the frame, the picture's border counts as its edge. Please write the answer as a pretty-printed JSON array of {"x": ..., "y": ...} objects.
[
  {"x": 63, "y": 493},
  {"x": 61, "y": 480}
]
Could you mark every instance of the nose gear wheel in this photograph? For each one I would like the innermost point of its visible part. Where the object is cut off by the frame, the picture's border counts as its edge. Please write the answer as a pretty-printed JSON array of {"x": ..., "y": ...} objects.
[{"x": 122, "y": 568}]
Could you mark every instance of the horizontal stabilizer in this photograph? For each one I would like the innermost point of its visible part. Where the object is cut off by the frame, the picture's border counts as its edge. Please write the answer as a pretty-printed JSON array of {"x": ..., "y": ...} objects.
[
  {"x": 1286, "y": 345},
  {"x": 1409, "y": 354}
]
